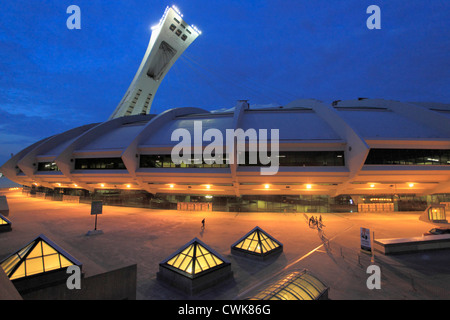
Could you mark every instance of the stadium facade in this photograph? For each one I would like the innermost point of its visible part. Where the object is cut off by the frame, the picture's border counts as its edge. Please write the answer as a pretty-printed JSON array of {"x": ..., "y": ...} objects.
[{"x": 333, "y": 157}]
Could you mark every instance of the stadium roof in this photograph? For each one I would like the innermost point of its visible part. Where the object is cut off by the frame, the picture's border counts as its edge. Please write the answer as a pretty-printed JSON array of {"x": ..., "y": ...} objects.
[{"x": 348, "y": 130}]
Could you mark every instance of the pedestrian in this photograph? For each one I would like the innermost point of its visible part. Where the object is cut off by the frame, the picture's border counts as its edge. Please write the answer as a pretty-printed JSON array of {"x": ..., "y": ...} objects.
[{"x": 203, "y": 223}]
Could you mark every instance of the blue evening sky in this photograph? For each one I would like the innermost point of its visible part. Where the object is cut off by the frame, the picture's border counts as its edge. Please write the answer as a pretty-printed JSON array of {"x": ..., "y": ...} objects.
[{"x": 270, "y": 52}]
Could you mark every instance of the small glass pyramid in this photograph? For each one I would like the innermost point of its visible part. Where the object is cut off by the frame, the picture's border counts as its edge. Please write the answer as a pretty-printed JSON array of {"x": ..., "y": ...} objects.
[
  {"x": 4, "y": 221},
  {"x": 39, "y": 256},
  {"x": 194, "y": 258},
  {"x": 257, "y": 242}
]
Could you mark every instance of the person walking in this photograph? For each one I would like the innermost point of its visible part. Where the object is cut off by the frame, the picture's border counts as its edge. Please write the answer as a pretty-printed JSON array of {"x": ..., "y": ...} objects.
[{"x": 203, "y": 223}]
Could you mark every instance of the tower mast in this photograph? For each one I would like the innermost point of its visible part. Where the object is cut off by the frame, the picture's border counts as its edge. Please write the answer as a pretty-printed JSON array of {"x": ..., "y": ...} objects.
[{"x": 170, "y": 37}]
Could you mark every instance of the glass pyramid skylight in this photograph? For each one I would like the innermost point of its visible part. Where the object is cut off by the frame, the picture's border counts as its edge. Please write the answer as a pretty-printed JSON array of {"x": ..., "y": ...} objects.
[
  {"x": 3, "y": 220},
  {"x": 39, "y": 256},
  {"x": 258, "y": 242},
  {"x": 195, "y": 258}
]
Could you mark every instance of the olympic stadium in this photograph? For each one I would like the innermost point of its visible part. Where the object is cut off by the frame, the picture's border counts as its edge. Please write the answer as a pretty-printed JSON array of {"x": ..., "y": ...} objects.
[{"x": 344, "y": 156}]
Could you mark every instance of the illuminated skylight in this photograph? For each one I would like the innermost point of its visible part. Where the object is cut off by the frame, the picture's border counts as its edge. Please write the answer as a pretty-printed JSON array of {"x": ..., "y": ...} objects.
[
  {"x": 39, "y": 256},
  {"x": 257, "y": 242},
  {"x": 194, "y": 258}
]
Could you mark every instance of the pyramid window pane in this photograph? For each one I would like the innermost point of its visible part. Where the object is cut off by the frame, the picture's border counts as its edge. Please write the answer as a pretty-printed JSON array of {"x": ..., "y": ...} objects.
[
  {"x": 189, "y": 251},
  {"x": 34, "y": 266},
  {"x": 24, "y": 251},
  {"x": 185, "y": 264},
  {"x": 198, "y": 268},
  {"x": 46, "y": 249},
  {"x": 217, "y": 260},
  {"x": 272, "y": 243},
  {"x": 65, "y": 262},
  {"x": 246, "y": 244},
  {"x": 210, "y": 260},
  {"x": 202, "y": 263},
  {"x": 19, "y": 273},
  {"x": 36, "y": 252},
  {"x": 10, "y": 263},
  {"x": 179, "y": 260},
  {"x": 189, "y": 268},
  {"x": 51, "y": 262},
  {"x": 171, "y": 262},
  {"x": 202, "y": 250}
]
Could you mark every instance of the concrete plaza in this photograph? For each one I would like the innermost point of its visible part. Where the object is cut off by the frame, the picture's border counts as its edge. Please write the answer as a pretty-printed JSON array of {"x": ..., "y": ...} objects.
[{"x": 146, "y": 237}]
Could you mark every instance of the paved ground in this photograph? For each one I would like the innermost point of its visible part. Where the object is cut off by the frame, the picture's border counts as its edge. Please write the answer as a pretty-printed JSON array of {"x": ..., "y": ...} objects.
[{"x": 146, "y": 237}]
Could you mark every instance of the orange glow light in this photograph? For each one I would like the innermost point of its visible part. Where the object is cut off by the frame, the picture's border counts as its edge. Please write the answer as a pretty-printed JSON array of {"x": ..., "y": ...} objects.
[
  {"x": 411, "y": 185},
  {"x": 308, "y": 186},
  {"x": 267, "y": 186}
]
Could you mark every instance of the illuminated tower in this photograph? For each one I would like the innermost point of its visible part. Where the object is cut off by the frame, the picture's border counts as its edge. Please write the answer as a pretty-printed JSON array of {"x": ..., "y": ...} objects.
[{"x": 168, "y": 41}]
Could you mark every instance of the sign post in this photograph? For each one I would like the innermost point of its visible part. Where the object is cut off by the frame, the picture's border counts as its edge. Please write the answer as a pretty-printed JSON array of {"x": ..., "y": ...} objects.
[
  {"x": 366, "y": 245},
  {"x": 96, "y": 209}
]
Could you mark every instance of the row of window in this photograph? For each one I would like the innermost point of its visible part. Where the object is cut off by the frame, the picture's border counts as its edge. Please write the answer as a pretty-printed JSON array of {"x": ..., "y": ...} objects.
[
  {"x": 179, "y": 32},
  {"x": 99, "y": 164},
  {"x": 47, "y": 166},
  {"x": 286, "y": 159},
  {"x": 408, "y": 157},
  {"x": 299, "y": 159},
  {"x": 165, "y": 161}
]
